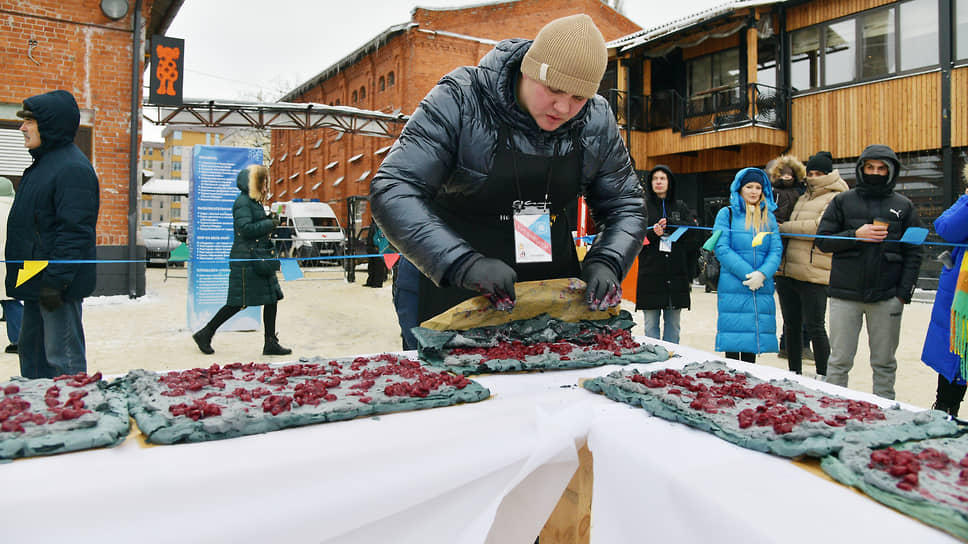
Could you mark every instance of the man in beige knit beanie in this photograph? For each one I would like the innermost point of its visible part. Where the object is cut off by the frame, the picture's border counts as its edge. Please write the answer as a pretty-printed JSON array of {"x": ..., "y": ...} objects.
[
  {"x": 479, "y": 190},
  {"x": 562, "y": 69}
]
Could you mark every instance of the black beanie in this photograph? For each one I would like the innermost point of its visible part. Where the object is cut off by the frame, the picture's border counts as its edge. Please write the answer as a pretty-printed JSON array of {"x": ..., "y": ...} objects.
[
  {"x": 751, "y": 176},
  {"x": 823, "y": 161}
]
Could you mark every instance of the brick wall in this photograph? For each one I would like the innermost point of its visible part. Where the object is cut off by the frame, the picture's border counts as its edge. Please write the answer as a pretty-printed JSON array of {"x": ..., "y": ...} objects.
[
  {"x": 83, "y": 52},
  {"x": 417, "y": 60}
]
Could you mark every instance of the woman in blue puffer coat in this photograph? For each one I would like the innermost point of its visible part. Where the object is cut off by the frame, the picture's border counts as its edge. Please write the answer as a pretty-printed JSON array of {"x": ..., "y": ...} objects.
[
  {"x": 953, "y": 227},
  {"x": 747, "y": 313}
]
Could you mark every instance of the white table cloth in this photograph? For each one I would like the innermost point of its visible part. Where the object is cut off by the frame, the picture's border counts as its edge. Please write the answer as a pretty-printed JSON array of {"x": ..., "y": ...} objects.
[
  {"x": 658, "y": 481},
  {"x": 485, "y": 472}
]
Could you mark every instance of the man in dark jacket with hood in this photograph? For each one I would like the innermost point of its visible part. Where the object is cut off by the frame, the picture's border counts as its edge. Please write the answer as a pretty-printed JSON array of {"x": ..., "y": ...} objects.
[
  {"x": 872, "y": 276},
  {"x": 479, "y": 190},
  {"x": 53, "y": 219}
]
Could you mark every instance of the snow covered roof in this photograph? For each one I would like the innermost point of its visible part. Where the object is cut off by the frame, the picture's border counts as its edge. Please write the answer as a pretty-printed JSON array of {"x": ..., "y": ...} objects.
[
  {"x": 379, "y": 41},
  {"x": 165, "y": 187},
  {"x": 651, "y": 34},
  {"x": 364, "y": 50}
]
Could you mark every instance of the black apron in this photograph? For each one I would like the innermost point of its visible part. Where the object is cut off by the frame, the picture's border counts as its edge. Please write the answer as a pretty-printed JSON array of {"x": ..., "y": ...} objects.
[{"x": 484, "y": 219}]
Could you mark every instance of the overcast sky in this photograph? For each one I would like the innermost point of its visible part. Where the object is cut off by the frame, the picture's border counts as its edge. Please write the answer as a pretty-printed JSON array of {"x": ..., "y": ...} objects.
[{"x": 241, "y": 49}]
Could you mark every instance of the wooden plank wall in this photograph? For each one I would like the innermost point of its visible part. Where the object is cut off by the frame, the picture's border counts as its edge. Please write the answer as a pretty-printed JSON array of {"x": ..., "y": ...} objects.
[
  {"x": 712, "y": 45},
  {"x": 825, "y": 10},
  {"x": 903, "y": 113},
  {"x": 959, "y": 107},
  {"x": 666, "y": 142}
]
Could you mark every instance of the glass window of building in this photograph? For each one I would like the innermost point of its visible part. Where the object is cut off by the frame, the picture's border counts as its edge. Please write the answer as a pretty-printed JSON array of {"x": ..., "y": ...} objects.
[
  {"x": 382, "y": 83},
  {"x": 961, "y": 29},
  {"x": 713, "y": 81},
  {"x": 919, "y": 33},
  {"x": 805, "y": 59},
  {"x": 766, "y": 62},
  {"x": 877, "y": 43},
  {"x": 839, "y": 48}
]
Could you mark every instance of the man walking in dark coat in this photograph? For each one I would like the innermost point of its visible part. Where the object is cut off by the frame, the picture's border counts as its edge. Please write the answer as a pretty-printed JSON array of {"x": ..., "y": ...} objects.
[
  {"x": 53, "y": 218},
  {"x": 872, "y": 275}
]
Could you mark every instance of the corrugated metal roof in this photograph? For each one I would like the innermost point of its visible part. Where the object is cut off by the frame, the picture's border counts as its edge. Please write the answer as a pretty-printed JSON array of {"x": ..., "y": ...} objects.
[{"x": 645, "y": 36}]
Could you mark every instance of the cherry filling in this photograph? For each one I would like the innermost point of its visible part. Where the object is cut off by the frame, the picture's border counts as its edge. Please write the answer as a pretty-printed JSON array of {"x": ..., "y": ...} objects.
[
  {"x": 406, "y": 379},
  {"x": 773, "y": 412},
  {"x": 906, "y": 466},
  {"x": 613, "y": 341},
  {"x": 15, "y": 410}
]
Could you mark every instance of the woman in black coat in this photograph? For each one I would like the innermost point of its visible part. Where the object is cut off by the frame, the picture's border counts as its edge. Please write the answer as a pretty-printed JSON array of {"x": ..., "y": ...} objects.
[
  {"x": 665, "y": 268},
  {"x": 248, "y": 286}
]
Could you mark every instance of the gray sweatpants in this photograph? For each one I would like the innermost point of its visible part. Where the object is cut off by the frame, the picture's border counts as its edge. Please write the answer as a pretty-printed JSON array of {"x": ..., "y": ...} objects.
[{"x": 883, "y": 332}]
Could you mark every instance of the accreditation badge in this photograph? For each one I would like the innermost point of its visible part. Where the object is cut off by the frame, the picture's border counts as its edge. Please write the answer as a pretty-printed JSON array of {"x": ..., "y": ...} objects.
[
  {"x": 532, "y": 232},
  {"x": 665, "y": 244}
]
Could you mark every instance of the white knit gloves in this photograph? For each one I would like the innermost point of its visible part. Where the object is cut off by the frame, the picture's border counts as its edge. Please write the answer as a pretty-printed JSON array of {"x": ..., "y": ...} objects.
[{"x": 754, "y": 280}]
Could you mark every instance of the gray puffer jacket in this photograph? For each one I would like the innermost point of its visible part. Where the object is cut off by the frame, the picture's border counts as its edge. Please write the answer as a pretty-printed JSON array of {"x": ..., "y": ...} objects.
[{"x": 449, "y": 145}]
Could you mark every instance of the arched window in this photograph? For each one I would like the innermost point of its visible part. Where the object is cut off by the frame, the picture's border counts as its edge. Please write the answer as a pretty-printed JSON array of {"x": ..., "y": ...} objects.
[
  {"x": 382, "y": 84},
  {"x": 363, "y": 92},
  {"x": 355, "y": 100},
  {"x": 336, "y": 103},
  {"x": 390, "y": 79}
]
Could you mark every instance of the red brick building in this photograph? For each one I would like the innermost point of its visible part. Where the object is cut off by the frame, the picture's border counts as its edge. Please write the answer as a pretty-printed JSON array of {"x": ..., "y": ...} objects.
[
  {"x": 73, "y": 45},
  {"x": 392, "y": 73}
]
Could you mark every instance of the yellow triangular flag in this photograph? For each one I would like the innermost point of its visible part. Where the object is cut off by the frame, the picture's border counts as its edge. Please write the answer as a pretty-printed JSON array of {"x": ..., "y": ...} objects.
[
  {"x": 30, "y": 269},
  {"x": 758, "y": 239}
]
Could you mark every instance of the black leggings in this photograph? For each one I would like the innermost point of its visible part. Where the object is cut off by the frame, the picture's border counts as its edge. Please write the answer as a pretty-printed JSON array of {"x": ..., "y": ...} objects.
[
  {"x": 226, "y": 312},
  {"x": 742, "y": 356}
]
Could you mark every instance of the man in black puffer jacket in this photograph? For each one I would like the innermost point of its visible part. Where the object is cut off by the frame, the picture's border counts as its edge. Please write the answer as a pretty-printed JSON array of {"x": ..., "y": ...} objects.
[
  {"x": 479, "y": 189},
  {"x": 53, "y": 218},
  {"x": 874, "y": 276}
]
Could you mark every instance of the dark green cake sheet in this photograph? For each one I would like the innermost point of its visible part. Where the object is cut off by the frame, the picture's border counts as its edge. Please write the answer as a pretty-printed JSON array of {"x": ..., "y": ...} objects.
[
  {"x": 106, "y": 423},
  {"x": 436, "y": 347},
  {"x": 152, "y": 410},
  {"x": 814, "y": 439},
  {"x": 850, "y": 467}
]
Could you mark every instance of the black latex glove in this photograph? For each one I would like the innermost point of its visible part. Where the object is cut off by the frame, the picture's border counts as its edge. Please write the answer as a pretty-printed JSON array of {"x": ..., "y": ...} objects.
[
  {"x": 50, "y": 298},
  {"x": 602, "y": 290},
  {"x": 489, "y": 277}
]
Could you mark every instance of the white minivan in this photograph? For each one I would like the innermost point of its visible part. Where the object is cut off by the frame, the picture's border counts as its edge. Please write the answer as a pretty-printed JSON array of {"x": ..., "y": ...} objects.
[{"x": 312, "y": 226}]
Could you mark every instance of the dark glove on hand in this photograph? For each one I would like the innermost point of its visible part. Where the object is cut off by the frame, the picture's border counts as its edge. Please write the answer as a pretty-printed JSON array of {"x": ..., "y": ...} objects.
[
  {"x": 275, "y": 220},
  {"x": 490, "y": 277},
  {"x": 602, "y": 290},
  {"x": 50, "y": 298}
]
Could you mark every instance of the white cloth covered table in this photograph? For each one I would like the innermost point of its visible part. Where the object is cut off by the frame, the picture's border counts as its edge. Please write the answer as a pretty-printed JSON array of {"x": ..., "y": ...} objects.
[
  {"x": 484, "y": 472},
  {"x": 658, "y": 481}
]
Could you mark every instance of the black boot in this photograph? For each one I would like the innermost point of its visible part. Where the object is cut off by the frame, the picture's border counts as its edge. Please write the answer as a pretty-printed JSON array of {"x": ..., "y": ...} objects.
[
  {"x": 203, "y": 338},
  {"x": 272, "y": 347},
  {"x": 949, "y": 396}
]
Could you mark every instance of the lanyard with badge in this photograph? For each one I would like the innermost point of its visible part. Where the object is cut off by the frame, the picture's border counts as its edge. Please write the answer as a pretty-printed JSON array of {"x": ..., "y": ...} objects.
[
  {"x": 665, "y": 244},
  {"x": 532, "y": 220}
]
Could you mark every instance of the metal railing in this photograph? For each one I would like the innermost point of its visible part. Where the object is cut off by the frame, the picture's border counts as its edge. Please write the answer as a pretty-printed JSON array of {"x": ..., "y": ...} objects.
[{"x": 728, "y": 107}]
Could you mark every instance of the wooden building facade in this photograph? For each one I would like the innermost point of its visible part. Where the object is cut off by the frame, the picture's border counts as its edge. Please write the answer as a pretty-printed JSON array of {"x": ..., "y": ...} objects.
[{"x": 738, "y": 85}]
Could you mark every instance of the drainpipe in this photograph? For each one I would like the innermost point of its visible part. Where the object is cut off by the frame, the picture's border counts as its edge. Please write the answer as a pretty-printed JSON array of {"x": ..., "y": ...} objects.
[
  {"x": 947, "y": 155},
  {"x": 133, "y": 151},
  {"x": 628, "y": 105},
  {"x": 784, "y": 54}
]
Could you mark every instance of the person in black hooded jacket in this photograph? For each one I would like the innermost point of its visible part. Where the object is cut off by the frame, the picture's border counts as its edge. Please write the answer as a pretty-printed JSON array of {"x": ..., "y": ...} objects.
[
  {"x": 665, "y": 268},
  {"x": 53, "y": 218},
  {"x": 492, "y": 163},
  {"x": 872, "y": 275}
]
